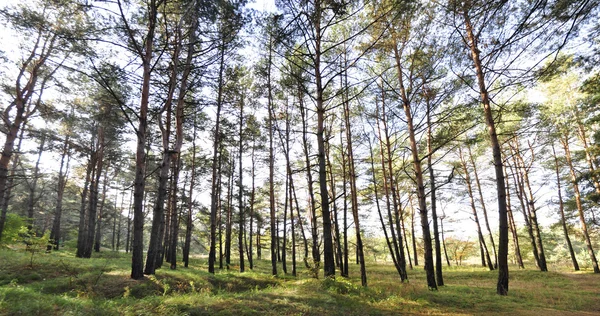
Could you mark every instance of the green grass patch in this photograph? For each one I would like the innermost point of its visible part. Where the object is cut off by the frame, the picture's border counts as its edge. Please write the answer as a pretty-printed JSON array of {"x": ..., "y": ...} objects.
[{"x": 59, "y": 284}]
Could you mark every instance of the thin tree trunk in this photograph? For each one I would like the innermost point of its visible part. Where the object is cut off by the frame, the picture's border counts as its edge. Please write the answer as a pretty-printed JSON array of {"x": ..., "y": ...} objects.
[
  {"x": 241, "y": 190},
  {"x": 531, "y": 203},
  {"x": 316, "y": 254},
  {"x": 353, "y": 189},
  {"x": 412, "y": 231},
  {"x": 342, "y": 256},
  {"x": 434, "y": 217},
  {"x": 511, "y": 222},
  {"x": 252, "y": 197},
  {"x": 128, "y": 239},
  {"x": 292, "y": 187},
  {"x": 524, "y": 209},
  {"x": 220, "y": 209},
  {"x": 328, "y": 261},
  {"x": 33, "y": 186},
  {"x": 274, "y": 243},
  {"x": 383, "y": 226},
  {"x": 484, "y": 248},
  {"x": 98, "y": 235},
  {"x": 428, "y": 251},
  {"x": 289, "y": 188},
  {"x": 175, "y": 213},
  {"x": 502, "y": 285},
  {"x": 482, "y": 202},
  {"x": 584, "y": 229},
  {"x": 190, "y": 218},
  {"x": 120, "y": 214},
  {"x": 388, "y": 183},
  {"x": 214, "y": 188},
  {"x": 229, "y": 214},
  {"x": 444, "y": 240},
  {"x": 561, "y": 208},
  {"x": 60, "y": 190}
]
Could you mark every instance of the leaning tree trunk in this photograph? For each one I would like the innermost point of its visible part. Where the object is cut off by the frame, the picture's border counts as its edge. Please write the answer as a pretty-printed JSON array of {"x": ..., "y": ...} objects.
[
  {"x": 376, "y": 193},
  {"x": 388, "y": 183},
  {"x": 418, "y": 177},
  {"x": 484, "y": 249},
  {"x": 9, "y": 182},
  {"x": 482, "y": 202},
  {"x": 561, "y": 208},
  {"x": 353, "y": 190},
  {"x": 584, "y": 229},
  {"x": 502, "y": 285},
  {"x": 531, "y": 203},
  {"x": 524, "y": 209},
  {"x": 511, "y": 222}
]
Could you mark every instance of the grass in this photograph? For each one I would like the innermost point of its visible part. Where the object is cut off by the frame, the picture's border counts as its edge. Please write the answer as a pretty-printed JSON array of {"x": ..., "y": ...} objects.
[{"x": 60, "y": 284}]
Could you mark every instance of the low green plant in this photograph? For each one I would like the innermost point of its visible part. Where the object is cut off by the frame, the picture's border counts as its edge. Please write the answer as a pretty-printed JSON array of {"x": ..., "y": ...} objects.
[
  {"x": 33, "y": 243},
  {"x": 12, "y": 228}
]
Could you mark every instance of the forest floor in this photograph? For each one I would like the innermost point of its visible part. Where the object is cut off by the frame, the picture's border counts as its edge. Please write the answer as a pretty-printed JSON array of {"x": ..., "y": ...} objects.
[{"x": 59, "y": 284}]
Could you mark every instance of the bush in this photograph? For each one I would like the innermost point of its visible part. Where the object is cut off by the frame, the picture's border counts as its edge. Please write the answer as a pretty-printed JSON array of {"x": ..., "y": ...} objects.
[{"x": 12, "y": 227}]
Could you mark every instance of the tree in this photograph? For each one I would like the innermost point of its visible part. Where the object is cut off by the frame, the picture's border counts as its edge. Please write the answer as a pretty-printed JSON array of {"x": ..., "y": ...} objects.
[{"x": 54, "y": 32}]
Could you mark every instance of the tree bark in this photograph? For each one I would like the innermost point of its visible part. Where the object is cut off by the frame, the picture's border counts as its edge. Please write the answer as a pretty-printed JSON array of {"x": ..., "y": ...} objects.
[
  {"x": 216, "y": 145},
  {"x": 63, "y": 171},
  {"x": 9, "y": 182},
  {"x": 422, "y": 198},
  {"x": 388, "y": 183},
  {"x": 531, "y": 203},
  {"x": 511, "y": 222},
  {"x": 328, "y": 260},
  {"x": 137, "y": 260},
  {"x": 353, "y": 190},
  {"x": 561, "y": 208},
  {"x": 241, "y": 190},
  {"x": 524, "y": 209},
  {"x": 484, "y": 249},
  {"x": 502, "y": 284},
  {"x": 584, "y": 229},
  {"x": 434, "y": 217},
  {"x": 33, "y": 185},
  {"x": 316, "y": 254},
  {"x": 98, "y": 235},
  {"x": 482, "y": 202}
]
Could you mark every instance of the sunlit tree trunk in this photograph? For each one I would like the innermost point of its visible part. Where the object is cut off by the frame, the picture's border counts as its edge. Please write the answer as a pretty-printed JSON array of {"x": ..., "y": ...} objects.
[
  {"x": 482, "y": 202},
  {"x": 482, "y": 243},
  {"x": 502, "y": 285},
  {"x": 561, "y": 208},
  {"x": 584, "y": 229}
]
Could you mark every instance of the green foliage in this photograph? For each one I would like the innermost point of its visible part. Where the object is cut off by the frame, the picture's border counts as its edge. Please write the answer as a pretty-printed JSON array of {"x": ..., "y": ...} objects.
[
  {"x": 33, "y": 242},
  {"x": 12, "y": 227}
]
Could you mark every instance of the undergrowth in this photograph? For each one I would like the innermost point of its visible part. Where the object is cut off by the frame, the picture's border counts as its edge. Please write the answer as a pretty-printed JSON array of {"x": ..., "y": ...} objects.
[{"x": 59, "y": 284}]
